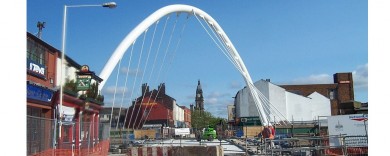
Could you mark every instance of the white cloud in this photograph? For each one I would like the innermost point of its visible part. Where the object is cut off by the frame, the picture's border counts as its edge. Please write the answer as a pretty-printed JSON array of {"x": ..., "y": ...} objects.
[
  {"x": 314, "y": 79},
  {"x": 360, "y": 77},
  {"x": 112, "y": 90},
  {"x": 235, "y": 85},
  {"x": 125, "y": 102},
  {"x": 132, "y": 72},
  {"x": 215, "y": 97}
]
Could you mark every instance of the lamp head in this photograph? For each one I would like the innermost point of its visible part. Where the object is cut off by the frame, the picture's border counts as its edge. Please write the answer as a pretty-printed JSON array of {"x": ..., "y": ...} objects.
[{"x": 109, "y": 5}]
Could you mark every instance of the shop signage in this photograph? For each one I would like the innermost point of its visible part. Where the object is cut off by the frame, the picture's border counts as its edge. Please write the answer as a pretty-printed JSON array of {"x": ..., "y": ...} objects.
[
  {"x": 39, "y": 93},
  {"x": 346, "y": 82},
  {"x": 83, "y": 82},
  {"x": 36, "y": 68},
  {"x": 250, "y": 121},
  {"x": 149, "y": 104}
]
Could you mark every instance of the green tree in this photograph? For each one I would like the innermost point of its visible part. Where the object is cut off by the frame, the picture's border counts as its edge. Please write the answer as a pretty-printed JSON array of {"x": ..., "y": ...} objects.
[{"x": 204, "y": 119}]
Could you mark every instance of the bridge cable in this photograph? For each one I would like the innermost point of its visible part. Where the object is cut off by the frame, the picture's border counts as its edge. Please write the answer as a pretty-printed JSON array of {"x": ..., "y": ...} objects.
[
  {"x": 150, "y": 75},
  {"x": 142, "y": 78},
  {"x": 131, "y": 93},
  {"x": 212, "y": 37},
  {"x": 171, "y": 35},
  {"x": 113, "y": 101},
  {"x": 123, "y": 93},
  {"x": 135, "y": 78},
  {"x": 166, "y": 21},
  {"x": 159, "y": 88}
]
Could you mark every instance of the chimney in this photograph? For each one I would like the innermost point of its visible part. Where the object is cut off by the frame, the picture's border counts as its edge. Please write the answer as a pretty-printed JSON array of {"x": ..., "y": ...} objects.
[
  {"x": 40, "y": 26},
  {"x": 161, "y": 89},
  {"x": 268, "y": 80},
  {"x": 145, "y": 88}
]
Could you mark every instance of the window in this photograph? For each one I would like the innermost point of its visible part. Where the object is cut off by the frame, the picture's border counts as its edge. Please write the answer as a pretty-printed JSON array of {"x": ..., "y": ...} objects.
[
  {"x": 332, "y": 94},
  {"x": 35, "y": 52}
]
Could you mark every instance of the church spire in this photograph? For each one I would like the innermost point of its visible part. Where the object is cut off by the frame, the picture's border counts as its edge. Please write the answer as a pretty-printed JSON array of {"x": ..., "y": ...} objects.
[{"x": 199, "y": 101}]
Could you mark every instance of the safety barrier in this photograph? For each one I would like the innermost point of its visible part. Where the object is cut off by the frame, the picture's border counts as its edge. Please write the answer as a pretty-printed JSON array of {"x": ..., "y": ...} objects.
[
  {"x": 78, "y": 138},
  {"x": 316, "y": 145},
  {"x": 100, "y": 149}
]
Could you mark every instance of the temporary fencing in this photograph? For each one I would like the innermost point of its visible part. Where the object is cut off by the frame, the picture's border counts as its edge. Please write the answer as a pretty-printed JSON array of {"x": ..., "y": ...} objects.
[
  {"x": 347, "y": 145},
  {"x": 316, "y": 145},
  {"x": 77, "y": 139}
]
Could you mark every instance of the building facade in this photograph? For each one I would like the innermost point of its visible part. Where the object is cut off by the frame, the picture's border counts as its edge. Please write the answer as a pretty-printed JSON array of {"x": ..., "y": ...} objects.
[
  {"x": 41, "y": 93},
  {"x": 282, "y": 106},
  {"x": 301, "y": 102},
  {"x": 340, "y": 93},
  {"x": 72, "y": 123},
  {"x": 156, "y": 109}
]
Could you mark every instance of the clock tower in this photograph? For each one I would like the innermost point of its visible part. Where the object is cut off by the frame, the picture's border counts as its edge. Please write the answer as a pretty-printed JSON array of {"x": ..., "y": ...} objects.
[{"x": 199, "y": 101}]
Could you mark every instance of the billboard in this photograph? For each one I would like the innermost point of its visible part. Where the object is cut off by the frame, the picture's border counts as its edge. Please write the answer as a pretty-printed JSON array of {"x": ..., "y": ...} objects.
[{"x": 354, "y": 128}]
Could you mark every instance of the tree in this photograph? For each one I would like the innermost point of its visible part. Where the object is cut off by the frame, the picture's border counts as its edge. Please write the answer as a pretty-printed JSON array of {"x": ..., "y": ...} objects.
[{"x": 202, "y": 119}]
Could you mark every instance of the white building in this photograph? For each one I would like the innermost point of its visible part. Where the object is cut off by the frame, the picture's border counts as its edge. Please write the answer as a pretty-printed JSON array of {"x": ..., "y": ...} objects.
[
  {"x": 290, "y": 106},
  {"x": 178, "y": 115}
]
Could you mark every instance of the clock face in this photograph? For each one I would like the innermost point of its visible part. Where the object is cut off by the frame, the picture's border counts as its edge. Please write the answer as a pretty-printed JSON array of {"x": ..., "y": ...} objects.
[{"x": 198, "y": 95}]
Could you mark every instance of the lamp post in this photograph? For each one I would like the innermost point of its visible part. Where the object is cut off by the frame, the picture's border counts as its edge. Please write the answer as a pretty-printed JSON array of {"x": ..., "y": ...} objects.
[{"x": 108, "y": 5}]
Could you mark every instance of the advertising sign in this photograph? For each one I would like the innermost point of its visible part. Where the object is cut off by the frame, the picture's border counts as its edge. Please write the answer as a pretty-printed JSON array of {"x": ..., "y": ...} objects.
[
  {"x": 36, "y": 68},
  {"x": 39, "y": 93},
  {"x": 250, "y": 121},
  {"x": 68, "y": 115},
  {"x": 182, "y": 131},
  {"x": 353, "y": 126}
]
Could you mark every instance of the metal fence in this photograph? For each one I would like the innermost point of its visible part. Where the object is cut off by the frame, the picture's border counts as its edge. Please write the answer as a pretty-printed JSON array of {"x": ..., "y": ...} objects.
[
  {"x": 316, "y": 146},
  {"x": 78, "y": 138}
]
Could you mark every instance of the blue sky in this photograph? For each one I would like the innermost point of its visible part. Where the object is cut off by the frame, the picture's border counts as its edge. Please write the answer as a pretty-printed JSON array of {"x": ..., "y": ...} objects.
[{"x": 289, "y": 42}]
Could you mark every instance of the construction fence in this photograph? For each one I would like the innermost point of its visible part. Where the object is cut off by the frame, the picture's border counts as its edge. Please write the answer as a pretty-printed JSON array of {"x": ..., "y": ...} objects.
[
  {"x": 316, "y": 146},
  {"x": 76, "y": 138}
]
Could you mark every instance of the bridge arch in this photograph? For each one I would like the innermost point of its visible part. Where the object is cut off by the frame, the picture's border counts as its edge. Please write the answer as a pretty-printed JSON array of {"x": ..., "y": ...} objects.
[{"x": 179, "y": 8}]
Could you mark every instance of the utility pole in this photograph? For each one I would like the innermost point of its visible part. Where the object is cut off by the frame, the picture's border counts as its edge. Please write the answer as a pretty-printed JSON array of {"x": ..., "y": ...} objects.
[{"x": 244, "y": 120}]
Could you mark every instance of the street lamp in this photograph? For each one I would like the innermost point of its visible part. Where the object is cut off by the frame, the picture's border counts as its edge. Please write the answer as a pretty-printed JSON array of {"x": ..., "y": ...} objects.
[{"x": 108, "y": 5}]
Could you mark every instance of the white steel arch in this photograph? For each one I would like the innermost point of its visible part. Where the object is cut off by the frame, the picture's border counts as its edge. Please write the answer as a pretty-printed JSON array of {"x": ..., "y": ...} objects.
[{"x": 177, "y": 8}]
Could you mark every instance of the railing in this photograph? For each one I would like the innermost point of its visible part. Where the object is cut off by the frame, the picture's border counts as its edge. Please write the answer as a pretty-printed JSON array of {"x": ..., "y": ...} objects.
[{"x": 317, "y": 145}]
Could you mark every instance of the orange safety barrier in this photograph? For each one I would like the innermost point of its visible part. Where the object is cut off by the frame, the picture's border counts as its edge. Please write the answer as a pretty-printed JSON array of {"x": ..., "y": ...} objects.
[
  {"x": 350, "y": 150},
  {"x": 100, "y": 149}
]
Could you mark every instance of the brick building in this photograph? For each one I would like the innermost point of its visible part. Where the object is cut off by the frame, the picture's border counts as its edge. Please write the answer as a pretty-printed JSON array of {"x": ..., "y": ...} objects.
[
  {"x": 75, "y": 123},
  {"x": 340, "y": 93},
  {"x": 156, "y": 108},
  {"x": 41, "y": 90}
]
